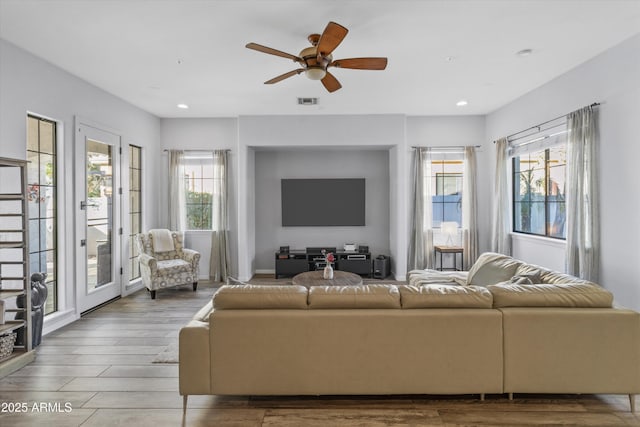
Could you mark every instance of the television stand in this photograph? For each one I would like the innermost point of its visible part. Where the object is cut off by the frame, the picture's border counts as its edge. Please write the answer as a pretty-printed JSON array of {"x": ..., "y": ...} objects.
[{"x": 299, "y": 261}]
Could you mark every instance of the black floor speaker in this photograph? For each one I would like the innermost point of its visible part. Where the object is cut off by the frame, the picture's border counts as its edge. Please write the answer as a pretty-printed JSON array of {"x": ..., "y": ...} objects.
[{"x": 381, "y": 267}]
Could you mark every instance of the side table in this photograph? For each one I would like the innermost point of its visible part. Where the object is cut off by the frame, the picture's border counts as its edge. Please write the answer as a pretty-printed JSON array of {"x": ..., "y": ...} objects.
[{"x": 455, "y": 250}]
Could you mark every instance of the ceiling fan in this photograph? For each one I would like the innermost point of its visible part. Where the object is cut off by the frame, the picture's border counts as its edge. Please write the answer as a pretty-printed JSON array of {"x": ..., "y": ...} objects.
[{"x": 316, "y": 59}]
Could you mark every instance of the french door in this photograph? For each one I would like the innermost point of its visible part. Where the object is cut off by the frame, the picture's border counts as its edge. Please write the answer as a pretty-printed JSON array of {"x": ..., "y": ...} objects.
[{"x": 97, "y": 210}]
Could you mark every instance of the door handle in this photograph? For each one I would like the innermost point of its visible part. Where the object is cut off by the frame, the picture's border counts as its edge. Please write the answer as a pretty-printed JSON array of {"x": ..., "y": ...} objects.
[
  {"x": 83, "y": 242},
  {"x": 83, "y": 205}
]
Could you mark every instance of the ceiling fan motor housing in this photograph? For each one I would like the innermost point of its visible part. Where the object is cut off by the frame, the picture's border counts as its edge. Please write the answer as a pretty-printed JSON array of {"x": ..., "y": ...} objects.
[{"x": 315, "y": 67}]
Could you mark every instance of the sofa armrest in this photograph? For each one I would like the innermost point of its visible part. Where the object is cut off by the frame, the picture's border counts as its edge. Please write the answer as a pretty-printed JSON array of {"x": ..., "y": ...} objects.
[
  {"x": 148, "y": 262},
  {"x": 195, "y": 359}
]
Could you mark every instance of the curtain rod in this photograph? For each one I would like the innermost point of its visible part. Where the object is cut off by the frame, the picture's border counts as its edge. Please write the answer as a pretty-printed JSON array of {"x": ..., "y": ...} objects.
[
  {"x": 452, "y": 147},
  {"x": 201, "y": 151},
  {"x": 595, "y": 104}
]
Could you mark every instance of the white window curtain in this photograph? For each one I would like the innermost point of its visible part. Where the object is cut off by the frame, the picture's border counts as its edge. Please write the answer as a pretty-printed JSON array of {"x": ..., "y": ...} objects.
[
  {"x": 469, "y": 208},
  {"x": 421, "y": 239},
  {"x": 500, "y": 238},
  {"x": 219, "y": 266},
  {"x": 177, "y": 212},
  {"x": 583, "y": 217}
]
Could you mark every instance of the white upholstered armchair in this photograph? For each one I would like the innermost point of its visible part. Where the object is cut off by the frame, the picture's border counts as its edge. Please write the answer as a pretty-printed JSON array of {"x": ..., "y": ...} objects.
[{"x": 164, "y": 262}]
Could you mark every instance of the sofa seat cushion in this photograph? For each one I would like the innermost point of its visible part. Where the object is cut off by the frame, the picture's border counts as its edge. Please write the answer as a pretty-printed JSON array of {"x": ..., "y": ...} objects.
[
  {"x": 491, "y": 268},
  {"x": 173, "y": 266},
  {"x": 362, "y": 296},
  {"x": 445, "y": 296},
  {"x": 230, "y": 297},
  {"x": 550, "y": 295}
]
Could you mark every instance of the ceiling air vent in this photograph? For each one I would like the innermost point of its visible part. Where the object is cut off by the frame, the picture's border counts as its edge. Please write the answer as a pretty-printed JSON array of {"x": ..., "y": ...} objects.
[{"x": 307, "y": 101}]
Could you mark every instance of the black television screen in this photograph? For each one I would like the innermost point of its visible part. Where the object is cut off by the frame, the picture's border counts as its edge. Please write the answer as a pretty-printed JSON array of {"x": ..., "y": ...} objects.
[{"x": 323, "y": 202}]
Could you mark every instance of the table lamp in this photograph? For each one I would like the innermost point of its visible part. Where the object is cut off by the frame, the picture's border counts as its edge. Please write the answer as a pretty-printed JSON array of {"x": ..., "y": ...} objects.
[{"x": 449, "y": 229}]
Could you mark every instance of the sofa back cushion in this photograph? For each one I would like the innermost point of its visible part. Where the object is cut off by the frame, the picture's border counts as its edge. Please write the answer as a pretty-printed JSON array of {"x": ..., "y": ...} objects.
[
  {"x": 491, "y": 268},
  {"x": 230, "y": 297},
  {"x": 362, "y": 296},
  {"x": 550, "y": 295},
  {"x": 445, "y": 296}
]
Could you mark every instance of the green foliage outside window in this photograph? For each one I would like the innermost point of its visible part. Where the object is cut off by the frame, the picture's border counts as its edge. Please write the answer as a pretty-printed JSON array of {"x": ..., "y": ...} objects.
[{"x": 198, "y": 210}]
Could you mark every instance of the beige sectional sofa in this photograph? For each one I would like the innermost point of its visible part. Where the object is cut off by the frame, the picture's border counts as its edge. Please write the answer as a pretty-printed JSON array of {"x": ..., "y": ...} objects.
[{"x": 503, "y": 327}]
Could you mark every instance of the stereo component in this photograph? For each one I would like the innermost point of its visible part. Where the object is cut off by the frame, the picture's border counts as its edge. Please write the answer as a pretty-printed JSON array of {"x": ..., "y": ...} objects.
[{"x": 381, "y": 267}]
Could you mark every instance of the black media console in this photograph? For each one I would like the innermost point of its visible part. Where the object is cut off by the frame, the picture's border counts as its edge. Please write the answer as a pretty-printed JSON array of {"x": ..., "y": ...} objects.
[{"x": 295, "y": 262}]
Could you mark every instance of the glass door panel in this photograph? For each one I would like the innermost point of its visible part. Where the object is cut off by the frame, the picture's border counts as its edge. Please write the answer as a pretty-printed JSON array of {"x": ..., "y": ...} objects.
[
  {"x": 98, "y": 216},
  {"x": 99, "y": 207}
]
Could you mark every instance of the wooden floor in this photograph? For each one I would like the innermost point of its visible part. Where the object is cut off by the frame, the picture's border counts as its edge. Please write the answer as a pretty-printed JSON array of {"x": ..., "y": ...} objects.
[{"x": 98, "y": 372}]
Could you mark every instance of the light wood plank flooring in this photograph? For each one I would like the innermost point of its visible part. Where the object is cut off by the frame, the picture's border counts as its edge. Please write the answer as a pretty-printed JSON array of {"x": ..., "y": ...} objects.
[{"x": 99, "y": 372}]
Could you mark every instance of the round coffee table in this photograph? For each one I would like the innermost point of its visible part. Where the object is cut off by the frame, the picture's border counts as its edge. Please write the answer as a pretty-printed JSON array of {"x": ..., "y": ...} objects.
[{"x": 314, "y": 278}]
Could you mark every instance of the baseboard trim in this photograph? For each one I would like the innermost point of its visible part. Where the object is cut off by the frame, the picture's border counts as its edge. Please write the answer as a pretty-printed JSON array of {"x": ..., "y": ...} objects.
[
  {"x": 56, "y": 321},
  {"x": 132, "y": 287}
]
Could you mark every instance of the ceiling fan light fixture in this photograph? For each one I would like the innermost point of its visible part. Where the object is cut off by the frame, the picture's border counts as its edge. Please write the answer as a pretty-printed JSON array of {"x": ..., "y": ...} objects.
[
  {"x": 317, "y": 58},
  {"x": 315, "y": 73}
]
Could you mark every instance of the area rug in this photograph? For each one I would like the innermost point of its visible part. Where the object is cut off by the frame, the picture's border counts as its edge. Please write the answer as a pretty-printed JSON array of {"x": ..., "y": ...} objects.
[{"x": 168, "y": 355}]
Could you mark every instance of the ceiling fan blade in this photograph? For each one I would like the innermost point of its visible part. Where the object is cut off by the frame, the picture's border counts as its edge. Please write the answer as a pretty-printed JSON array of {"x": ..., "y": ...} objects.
[
  {"x": 331, "y": 37},
  {"x": 330, "y": 82},
  {"x": 271, "y": 51},
  {"x": 284, "y": 76},
  {"x": 361, "y": 63}
]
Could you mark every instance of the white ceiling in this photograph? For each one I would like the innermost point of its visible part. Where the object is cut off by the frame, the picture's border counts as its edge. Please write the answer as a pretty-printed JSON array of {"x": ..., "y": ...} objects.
[{"x": 132, "y": 49}]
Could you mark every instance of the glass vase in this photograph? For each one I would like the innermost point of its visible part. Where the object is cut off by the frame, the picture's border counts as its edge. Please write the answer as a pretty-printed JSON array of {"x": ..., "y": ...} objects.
[{"x": 328, "y": 272}]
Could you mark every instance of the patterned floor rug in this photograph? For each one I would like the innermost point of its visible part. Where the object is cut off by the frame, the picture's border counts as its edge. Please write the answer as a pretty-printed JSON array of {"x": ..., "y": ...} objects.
[{"x": 168, "y": 355}]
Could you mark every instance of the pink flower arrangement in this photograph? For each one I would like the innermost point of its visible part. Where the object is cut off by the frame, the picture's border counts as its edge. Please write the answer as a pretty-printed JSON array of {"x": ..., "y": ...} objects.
[{"x": 328, "y": 257}]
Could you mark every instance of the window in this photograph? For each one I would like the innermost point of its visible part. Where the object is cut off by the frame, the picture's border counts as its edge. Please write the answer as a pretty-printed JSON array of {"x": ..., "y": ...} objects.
[
  {"x": 135, "y": 207},
  {"x": 198, "y": 181},
  {"x": 42, "y": 201},
  {"x": 446, "y": 190},
  {"x": 539, "y": 192}
]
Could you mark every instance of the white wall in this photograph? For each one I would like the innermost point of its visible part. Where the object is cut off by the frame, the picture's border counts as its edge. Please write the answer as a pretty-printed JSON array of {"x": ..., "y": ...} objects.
[
  {"x": 393, "y": 133},
  {"x": 613, "y": 79},
  {"x": 273, "y": 165},
  {"x": 317, "y": 131},
  {"x": 202, "y": 134},
  {"x": 447, "y": 131},
  {"x": 30, "y": 84}
]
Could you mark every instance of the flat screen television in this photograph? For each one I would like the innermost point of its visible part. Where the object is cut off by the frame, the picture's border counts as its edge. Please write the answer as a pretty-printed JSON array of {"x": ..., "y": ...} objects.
[{"x": 323, "y": 202}]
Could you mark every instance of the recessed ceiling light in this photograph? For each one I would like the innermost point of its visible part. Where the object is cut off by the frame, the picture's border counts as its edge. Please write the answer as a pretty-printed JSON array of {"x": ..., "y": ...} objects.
[
  {"x": 183, "y": 106},
  {"x": 449, "y": 58},
  {"x": 524, "y": 52},
  {"x": 462, "y": 103}
]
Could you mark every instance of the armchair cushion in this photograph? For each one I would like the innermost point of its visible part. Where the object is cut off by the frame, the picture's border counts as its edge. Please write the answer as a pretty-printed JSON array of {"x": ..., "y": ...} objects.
[{"x": 174, "y": 266}]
